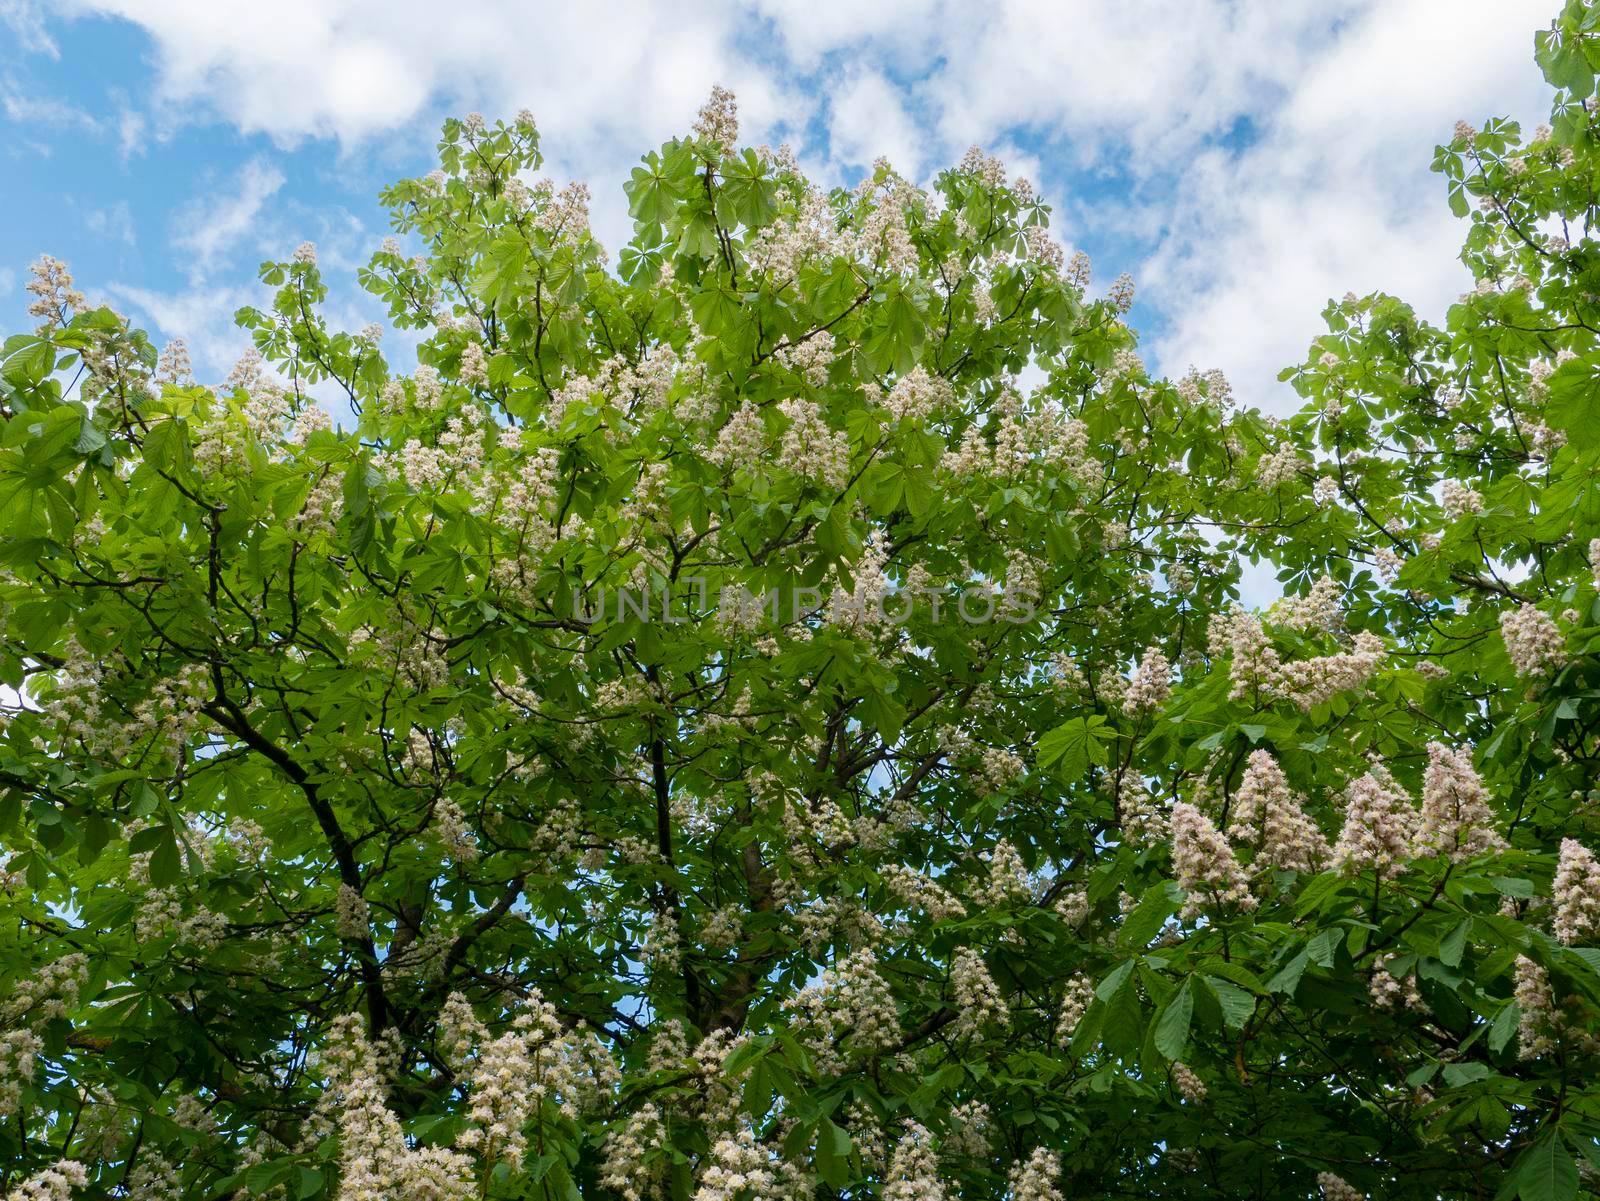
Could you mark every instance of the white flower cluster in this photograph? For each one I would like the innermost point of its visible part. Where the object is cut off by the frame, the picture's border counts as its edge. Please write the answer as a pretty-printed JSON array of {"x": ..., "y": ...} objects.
[
  {"x": 1319, "y": 609},
  {"x": 811, "y": 449},
  {"x": 1120, "y": 294},
  {"x": 54, "y": 1183},
  {"x": 662, "y": 950},
  {"x": 1389, "y": 991},
  {"x": 880, "y": 239},
  {"x": 809, "y": 232},
  {"x": 457, "y": 451},
  {"x": 1075, "y": 1003},
  {"x": 1073, "y": 907},
  {"x": 1576, "y": 893},
  {"x": 1008, "y": 882},
  {"x": 474, "y": 371},
  {"x": 565, "y": 214},
  {"x": 1456, "y": 821},
  {"x": 1379, "y": 825},
  {"x": 1388, "y": 563},
  {"x": 861, "y": 603},
  {"x": 54, "y": 297},
  {"x": 1538, "y": 1021},
  {"x": 634, "y": 1169},
  {"x": 1151, "y": 685},
  {"x": 161, "y": 915},
  {"x": 1035, "y": 1178},
  {"x": 977, "y": 999},
  {"x": 742, "y": 442},
  {"x": 1268, "y": 815},
  {"x": 737, "y": 1169},
  {"x": 1257, "y": 669},
  {"x": 1534, "y": 642},
  {"x": 1310, "y": 682},
  {"x": 451, "y": 823},
  {"x": 914, "y": 1169},
  {"x": 350, "y": 914},
  {"x": 19, "y": 1065},
  {"x": 51, "y": 993},
  {"x": 1337, "y": 1188},
  {"x": 1281, "y": 466},
  {"x": 810, "y": 358},
  {"x": 401, "y": 646},
  {"x": 1190, "y": 1087},
  {"x": 1198, "y": 387},
  {"x": 917, "y": 396},
  {"x": 1459, "y": 500},
  {"x": 155, "y": 1178},
  {"x": 174, "y": 367},
  {"x": 75, "y": 703},
  {"x": 850, "y": 1000},
  {"x": 717, "y": 123},
  {"x": 921, "y": 892},
  {"x": 376, "y": 1162},
  {"x": 1203, "y": 863},
  {"x": 1144, "y": 820}
]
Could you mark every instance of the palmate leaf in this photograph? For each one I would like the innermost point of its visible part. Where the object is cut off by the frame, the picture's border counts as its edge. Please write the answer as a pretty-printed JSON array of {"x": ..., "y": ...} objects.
[
  {"x": 1575, "y": 401},
  {"x": 1072, "y": 747},
  {"x": 1546, "y": 1171}
]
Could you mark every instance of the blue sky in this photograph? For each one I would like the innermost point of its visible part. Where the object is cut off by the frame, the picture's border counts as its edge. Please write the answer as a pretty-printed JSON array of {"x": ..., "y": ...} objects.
[{"x": 1244, "y": 160}]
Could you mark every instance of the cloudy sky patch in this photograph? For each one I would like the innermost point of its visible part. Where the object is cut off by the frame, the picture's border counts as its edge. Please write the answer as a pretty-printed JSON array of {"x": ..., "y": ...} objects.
[{"x": 1244, "y": 162}]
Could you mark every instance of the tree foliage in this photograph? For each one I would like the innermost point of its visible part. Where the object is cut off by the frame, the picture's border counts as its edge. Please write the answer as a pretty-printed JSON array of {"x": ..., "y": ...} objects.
[{"x": 710, "y": 732}]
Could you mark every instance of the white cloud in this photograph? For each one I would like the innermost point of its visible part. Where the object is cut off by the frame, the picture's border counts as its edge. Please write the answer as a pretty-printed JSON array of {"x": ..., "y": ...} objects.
[
  {"x": 130, "y": 127},
  {"x": 1139, "y": 79},
  {"x": 1275, "y": 154},
  {"x": 43, "y": 112},
  {"x": 209, "y": 229},
  {"x": 904, "y": 32},
  {"x": 867, "y": 119},
  {"x": 1336, "y": 195},
  {"x": 202, "y": 317},
  {"x": 26, "y": 23},
  {"x": 114, "y": 223},
  {"x": 605, "y": 81}
]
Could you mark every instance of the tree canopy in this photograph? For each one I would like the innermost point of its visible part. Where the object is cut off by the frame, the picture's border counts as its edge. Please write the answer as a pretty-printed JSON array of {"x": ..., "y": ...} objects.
[{"x": 710, "y": 733}]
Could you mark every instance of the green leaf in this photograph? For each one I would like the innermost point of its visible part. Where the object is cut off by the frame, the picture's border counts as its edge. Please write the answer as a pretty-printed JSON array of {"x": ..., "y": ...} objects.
[
  {"x": 264, "y": 1177},
  {"x": 1511, "y": 887},
  {"x": 1287, "y": 978},
  {"x": 1123, "y": 1027},
  {"x": 1146, "y": 921},
  {"x": 1458, "y": 1074},
  {"x": 500, "y": 273},
  {"x": 1237, "y": 1005},
  {"x": 1504, "y": 1027},
  {"x": 1172, "y": 1026},
  {"x": 833, "y": 1153},
  {"x": 90, "y": 438},
  {"x": 1546, "y": 1171},
  {"x": 1114, "y": 980},
  {"x": 166, "y": 864},
  {"x": 715, "y": 309},
  {"x": 651, "y": 193},
  {"x": 1574, "y": 404},
  {"x": 1074, "y": 745}
]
